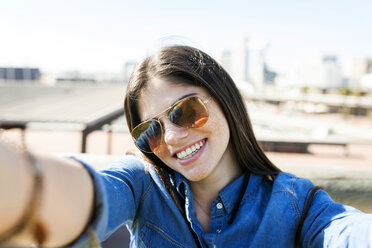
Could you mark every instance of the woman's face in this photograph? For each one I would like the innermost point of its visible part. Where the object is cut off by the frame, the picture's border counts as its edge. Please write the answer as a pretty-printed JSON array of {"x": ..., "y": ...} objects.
[{"x": 214, "y": 158}]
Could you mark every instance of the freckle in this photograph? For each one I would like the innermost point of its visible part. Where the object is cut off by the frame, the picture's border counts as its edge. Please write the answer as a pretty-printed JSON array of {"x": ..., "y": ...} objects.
[{"x": 40, "y": 233}]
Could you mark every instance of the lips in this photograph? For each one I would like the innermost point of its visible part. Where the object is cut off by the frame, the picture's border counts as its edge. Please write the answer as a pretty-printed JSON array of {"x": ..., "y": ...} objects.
[
  {"x": 190, "y": 151},
  {"x": 194, "y": 155}
]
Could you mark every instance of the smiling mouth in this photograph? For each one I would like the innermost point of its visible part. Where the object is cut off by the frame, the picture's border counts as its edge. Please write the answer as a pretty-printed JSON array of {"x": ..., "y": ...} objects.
[{"x": 190, "y": 151}]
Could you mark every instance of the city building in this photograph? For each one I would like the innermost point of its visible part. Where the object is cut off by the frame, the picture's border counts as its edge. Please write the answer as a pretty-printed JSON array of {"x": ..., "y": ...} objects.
[
  {"x": 314, "y": 71},
  {"x": 359, "y": 71},
  {"x": 225, "y": 60},
  {"x": 366, "y": 82},
  {"x": 19, "y": 74},
  {"x": 246, "y": 62},
  {"x": 75, "y": 76}
]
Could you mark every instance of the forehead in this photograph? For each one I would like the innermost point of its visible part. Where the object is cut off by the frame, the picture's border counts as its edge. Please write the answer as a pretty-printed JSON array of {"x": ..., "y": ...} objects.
[{"x": 159, "y": 94}]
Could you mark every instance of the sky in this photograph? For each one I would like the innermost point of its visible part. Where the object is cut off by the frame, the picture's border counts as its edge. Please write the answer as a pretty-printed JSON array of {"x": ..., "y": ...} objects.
[{"x": 100, "y": 36}]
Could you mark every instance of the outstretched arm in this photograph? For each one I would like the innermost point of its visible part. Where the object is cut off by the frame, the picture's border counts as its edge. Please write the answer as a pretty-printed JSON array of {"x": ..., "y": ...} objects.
[
  {"x": 66, "y": 198},
  {"x": 332, "y": 224}
]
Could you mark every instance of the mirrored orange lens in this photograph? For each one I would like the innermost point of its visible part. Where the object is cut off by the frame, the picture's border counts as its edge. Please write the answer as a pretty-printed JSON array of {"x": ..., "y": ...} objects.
[
  {"x": 189, "y": 113},
  {"x": 148, "y": 135},
  {"x": 200, "y": 122}
]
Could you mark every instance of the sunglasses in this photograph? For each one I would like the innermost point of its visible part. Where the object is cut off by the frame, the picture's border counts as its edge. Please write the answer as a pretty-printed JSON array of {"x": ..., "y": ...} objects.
[{"x": 189, "y": 112}]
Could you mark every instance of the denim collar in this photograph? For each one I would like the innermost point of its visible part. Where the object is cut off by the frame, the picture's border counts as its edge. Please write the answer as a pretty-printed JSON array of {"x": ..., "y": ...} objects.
[
  {"x": 181, "y": 184},
  {"x": 228, "y": 195}
]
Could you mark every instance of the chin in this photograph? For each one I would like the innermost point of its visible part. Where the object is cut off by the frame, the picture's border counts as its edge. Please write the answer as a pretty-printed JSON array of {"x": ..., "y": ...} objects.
[{"x": 196, "y": 176}]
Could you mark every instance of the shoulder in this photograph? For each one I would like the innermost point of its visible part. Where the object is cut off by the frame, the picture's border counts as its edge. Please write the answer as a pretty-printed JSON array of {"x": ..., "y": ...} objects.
[
  {"x": 287, "y": 182},
  {"x": 131, "y": 168},
  {"x": 295, "y": 190},
  {"x": 129, "y": 162},
  {"x": 284, "y": 183}
]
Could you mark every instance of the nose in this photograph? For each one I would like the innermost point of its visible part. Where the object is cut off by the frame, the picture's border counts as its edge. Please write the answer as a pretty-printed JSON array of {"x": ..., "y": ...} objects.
[{"x": 173, "y": 134}]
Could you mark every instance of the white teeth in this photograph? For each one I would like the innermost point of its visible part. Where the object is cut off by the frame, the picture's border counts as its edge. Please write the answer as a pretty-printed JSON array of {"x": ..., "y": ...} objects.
[{"x": 190, "y": 151}]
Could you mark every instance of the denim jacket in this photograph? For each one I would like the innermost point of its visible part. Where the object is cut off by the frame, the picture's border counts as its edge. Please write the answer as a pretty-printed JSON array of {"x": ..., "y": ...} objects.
[{"x": 129, "y": 192}]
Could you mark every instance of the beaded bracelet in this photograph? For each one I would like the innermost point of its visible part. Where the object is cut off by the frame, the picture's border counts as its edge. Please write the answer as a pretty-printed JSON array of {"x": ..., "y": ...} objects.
[{"x": 30, "y": 213}]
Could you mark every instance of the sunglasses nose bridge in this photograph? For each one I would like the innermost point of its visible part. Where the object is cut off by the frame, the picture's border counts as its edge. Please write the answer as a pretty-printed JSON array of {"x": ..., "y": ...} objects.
[{"x": 173, "y": 134}]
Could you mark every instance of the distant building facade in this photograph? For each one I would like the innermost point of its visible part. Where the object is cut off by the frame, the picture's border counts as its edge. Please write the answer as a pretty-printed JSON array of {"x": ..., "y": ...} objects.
[
  {"x": 360, "y": 73},
  {"x": 225, "y": 60},
  {"x": 315, "y": 71},
  {"x": 361, "y": 66},
  {"x": 246, "y": 63},
  {"x": 19, "y": 74},
  {"x": 75, "y": 76}
]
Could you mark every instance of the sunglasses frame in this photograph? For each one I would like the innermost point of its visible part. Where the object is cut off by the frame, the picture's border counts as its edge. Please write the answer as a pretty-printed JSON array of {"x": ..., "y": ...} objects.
[{"x": 166, "y": 112}]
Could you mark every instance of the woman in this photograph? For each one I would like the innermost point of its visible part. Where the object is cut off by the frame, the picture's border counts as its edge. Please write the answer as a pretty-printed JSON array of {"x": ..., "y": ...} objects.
[{"x": 203, "y": 180}]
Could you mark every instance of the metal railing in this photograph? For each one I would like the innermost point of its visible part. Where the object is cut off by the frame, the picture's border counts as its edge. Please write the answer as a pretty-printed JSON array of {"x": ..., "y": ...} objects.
[{"x": 86, "y": 128}]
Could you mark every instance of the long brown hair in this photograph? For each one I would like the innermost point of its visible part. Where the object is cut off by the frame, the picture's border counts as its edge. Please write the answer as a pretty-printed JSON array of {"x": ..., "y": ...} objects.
[{"x": 184, "y": 64}]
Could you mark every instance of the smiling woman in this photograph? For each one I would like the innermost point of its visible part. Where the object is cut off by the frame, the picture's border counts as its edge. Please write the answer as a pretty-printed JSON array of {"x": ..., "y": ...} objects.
[
  {"x": 202, "y": 180},
  {"x": 213, "y": 135}
]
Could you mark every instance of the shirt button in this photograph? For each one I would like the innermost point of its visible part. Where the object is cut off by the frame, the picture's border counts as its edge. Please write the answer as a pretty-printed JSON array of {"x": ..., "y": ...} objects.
[
  {"x": 219, "y": 205},
  {"x": 218, "y": 230}
]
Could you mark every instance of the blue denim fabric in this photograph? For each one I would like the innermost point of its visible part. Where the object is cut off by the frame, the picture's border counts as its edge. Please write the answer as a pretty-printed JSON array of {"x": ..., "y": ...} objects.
[{"x": 129, "y": 192}]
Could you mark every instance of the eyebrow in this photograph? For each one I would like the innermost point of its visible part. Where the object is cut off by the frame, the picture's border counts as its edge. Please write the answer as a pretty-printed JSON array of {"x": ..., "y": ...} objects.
[{"x": 190, "y": 94}]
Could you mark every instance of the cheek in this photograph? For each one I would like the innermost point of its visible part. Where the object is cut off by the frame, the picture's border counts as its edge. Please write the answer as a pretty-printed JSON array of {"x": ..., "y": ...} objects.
[
  {"x": 221, "y": 125},
  {"x": 218, "y": 125},
  {"x": 162, "y": 152}
]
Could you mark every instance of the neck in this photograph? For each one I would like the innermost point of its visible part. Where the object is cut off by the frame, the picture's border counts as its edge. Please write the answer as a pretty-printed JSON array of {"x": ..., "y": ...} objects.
[{"x": 207, "y": 189}]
